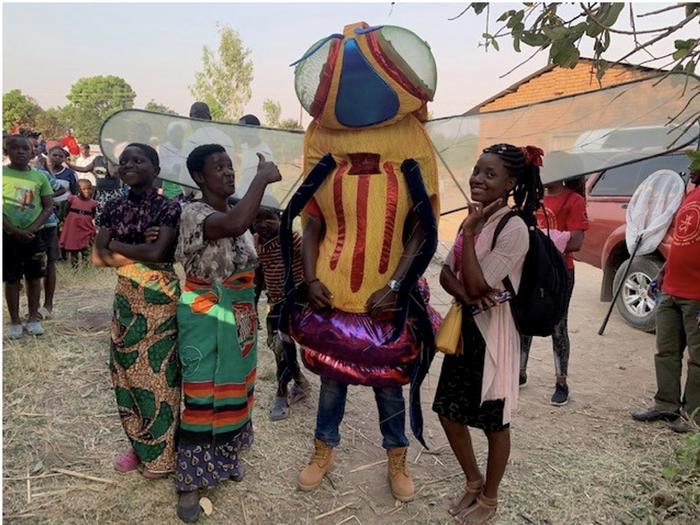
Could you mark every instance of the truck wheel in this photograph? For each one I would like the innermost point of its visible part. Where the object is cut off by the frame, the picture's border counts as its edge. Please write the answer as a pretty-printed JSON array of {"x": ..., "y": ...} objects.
[{"x": 635, "y": 306}]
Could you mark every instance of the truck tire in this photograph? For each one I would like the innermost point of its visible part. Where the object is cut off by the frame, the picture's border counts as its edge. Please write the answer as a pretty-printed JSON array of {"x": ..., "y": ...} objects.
[{"x": 635, "y": 306}]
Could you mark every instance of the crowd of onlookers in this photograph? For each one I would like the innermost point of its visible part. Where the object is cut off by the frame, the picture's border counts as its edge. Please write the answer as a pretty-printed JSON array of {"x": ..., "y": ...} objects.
[{"x": 52, "y": 192}]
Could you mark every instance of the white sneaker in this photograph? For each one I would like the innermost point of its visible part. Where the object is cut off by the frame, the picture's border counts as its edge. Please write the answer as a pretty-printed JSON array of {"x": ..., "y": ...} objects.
[
  {"x": 35, "y": 328},
  {"x": 14, "y": 331}
]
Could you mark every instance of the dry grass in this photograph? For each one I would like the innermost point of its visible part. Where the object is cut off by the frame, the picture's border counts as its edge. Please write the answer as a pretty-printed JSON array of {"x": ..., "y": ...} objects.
[{"x": 584, "y": 464}]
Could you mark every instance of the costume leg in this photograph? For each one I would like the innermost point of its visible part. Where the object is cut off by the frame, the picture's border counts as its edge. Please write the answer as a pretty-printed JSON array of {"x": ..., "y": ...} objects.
[
  {"x": 392, "y": 416},
  {"x": 331, "y": 409}
]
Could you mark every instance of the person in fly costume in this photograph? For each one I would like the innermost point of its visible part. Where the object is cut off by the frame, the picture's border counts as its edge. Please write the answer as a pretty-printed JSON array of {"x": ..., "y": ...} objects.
[{"x": 369, "y": 207}]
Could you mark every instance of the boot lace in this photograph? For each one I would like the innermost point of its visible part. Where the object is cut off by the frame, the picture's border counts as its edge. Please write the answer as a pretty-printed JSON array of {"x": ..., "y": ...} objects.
[{"x": 320, "y": 454}]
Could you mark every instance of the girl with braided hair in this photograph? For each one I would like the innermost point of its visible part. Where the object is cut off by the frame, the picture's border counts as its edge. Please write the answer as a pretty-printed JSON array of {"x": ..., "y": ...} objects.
[{"x": 479, "y": 387}]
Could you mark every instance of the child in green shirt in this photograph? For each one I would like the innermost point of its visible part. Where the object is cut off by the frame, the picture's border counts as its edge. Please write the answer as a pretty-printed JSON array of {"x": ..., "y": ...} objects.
[{"x": 26, "y": 205}]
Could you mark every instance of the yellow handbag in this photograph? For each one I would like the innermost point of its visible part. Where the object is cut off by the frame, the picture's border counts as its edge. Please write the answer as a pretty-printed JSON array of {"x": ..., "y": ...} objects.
[{"x": 449, "y": 337}]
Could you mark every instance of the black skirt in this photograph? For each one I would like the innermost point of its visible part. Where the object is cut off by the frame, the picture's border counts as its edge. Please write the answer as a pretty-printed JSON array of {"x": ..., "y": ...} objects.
[{"x": 458, "y": 395}]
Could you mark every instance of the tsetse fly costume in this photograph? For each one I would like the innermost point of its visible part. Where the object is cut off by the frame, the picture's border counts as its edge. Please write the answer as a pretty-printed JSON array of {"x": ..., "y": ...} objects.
[{"x": 369, "y": 174}]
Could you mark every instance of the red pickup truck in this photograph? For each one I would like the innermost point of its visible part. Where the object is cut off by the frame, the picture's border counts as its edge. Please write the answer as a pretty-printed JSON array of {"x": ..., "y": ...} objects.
[{"x": 607, "y": 196}]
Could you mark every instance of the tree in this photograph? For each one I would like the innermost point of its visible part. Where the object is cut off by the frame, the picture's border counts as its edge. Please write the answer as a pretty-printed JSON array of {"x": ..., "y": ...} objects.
[
  {"x": 19, "y": 108},
  {"x": 159, "y": 108},
  {"x": 51, "y": 123},
  {"x": 91, "y": 100},
  {"x": 541, "y": 26},
  {"x": 225, "y": 78},
  {"x": 289, "y": 123},
  {"x": 272, "y": 110},
  {"x": 595, "y": 22}
]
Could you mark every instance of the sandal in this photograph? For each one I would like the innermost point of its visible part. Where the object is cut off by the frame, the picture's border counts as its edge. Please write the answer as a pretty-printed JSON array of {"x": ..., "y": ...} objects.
[
  {"x": 482, "y": 512},
  {"x": 149, "y": 474},
  {"x": 188, "y": 509},
  {"x": 280, "y": 409},
  {"x": 468, "y": 498},
  {"x": 126, "y": 461}
]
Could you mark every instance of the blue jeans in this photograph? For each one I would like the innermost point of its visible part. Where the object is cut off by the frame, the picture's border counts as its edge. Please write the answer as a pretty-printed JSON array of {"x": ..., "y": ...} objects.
[{"x": 331, "y": 408}]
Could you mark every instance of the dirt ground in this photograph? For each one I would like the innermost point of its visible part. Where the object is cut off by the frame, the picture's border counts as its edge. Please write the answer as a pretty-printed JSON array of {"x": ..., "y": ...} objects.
[{"x": 584, "y": 463}]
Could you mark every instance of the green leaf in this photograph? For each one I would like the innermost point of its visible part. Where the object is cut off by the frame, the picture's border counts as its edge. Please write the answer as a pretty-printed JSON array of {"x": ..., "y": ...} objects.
[
  {"x": 145, "y": 401},
  {"x": 479, "y": 7},
  {"x": 612, "y": 13},
  {"x": 506, "y": 15},
  {"x": 159, "y": 351},
  {"x": 172, "y": 373},
  {"x": 136, "y": 331},
  {"x": 564, "y": 54},
  {"x": 593, "y": 29},
  {"x": 694, "y": 157},
  {"x": 124, "y": 398},
  {"x": 163, "y": 422},
  {"x": 691, "y": 8},
  {"x": 534, "y": 39},
  {"x": 148, "y": 452},
  {"x": 170, "y": 324},
  {"x": 125, "y": 359}
]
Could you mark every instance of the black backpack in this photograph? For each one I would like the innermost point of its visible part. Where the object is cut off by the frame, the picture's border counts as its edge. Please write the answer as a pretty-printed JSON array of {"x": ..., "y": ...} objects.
[{"x": 541, "y": 300}]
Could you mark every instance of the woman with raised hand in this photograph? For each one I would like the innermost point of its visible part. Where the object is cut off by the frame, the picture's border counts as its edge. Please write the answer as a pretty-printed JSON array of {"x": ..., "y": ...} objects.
[{"x": 218, "y": 325}]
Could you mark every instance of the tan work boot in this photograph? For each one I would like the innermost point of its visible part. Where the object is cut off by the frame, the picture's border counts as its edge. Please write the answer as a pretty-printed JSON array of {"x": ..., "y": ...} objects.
[
  {"x": 399, "y": 478},
  {"x": 320, "y": 463}
]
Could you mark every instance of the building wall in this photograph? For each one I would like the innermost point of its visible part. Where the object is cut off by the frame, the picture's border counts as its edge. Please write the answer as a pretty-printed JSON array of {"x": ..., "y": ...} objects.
[{"x": 560, "y": 82}]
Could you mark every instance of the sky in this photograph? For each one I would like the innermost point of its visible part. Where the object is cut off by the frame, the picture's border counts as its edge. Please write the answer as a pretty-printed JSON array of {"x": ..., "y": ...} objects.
[{"x": 157, "y": 48}]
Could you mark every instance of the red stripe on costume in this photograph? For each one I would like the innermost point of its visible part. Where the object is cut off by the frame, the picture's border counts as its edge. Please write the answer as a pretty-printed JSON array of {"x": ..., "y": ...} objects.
[
  {"x": 324, "y": 85},
  {"x": 339, "y": 213},
  {"x": 392, "y": 193},
  {"x": 358, "y": 255},
  {"x": 394, "y": 72}
]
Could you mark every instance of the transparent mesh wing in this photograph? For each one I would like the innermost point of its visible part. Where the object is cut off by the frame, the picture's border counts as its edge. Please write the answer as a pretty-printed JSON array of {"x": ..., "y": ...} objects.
[
  {"x": 580, "y": 134},
  {"x": 174, "y": 137},
  {"x": 307, "y": 74},
  {"x": 405, "y": 47}
]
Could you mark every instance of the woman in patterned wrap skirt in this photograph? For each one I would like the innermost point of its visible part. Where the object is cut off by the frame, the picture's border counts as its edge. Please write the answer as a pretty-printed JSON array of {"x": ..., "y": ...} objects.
[
  {"x": 218, "y": 325},
  {"x": 143, "y": 360}
]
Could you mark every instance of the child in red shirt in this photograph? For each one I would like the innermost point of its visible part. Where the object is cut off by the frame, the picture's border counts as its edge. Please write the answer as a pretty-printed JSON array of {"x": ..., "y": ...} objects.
[
  {"x": 563, "y": 211},
  {"x": 79, "y": 228},
  {"x": 267, "y": 225}
]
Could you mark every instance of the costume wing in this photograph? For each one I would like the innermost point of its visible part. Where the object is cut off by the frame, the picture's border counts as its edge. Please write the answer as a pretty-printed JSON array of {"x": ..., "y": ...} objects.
[{"x": 580, "y": 134}]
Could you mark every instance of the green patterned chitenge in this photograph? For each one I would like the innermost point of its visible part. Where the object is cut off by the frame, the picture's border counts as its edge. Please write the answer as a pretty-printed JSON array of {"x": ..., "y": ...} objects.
[{"x": 144, "y": 362}]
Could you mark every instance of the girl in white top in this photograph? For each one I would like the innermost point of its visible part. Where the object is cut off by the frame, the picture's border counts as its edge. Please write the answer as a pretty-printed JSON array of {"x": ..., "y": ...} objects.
[{"x": 479, "y": 388}]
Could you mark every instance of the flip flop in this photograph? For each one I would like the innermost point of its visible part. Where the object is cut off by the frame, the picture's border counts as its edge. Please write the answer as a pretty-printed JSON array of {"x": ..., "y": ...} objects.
[{"x": 280, "y": 409}]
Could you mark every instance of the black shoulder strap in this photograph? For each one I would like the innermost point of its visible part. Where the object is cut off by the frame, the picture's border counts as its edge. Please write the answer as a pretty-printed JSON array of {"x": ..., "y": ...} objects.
[{"x": 499, "y": 227}]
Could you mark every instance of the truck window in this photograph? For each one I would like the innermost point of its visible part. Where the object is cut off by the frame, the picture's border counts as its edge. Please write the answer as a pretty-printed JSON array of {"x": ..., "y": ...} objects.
[{"x": 623, "y": 181}]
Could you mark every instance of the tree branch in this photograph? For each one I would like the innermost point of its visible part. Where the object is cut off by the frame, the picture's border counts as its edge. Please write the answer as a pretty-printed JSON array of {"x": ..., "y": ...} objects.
[
  {"x": 537, "y": 51},
  {"x": 654, "y": 40},
  {"x": 619, "y": 31},
  {"x": 663, "y": 10}
]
